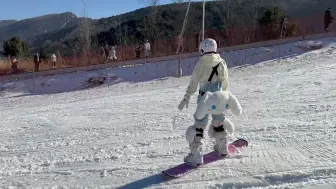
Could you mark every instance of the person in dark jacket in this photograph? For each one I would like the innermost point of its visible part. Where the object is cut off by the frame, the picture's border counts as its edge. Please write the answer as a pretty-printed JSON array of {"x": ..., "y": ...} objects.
[
  {"x": 106, "y": 52},
  {"x": 37, "y": 61},
  {"x": 14, "y": 65},
  {"x": 138, "y": 51},
  {"x": 328, "y": 18},
  {"x": 283, "y": 26}
]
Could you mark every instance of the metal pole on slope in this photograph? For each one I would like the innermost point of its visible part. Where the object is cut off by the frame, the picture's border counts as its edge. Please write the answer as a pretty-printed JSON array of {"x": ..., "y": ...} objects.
[
  {"x": 34, "y": 82},
  {"x": 203, "y": 20},
  {"x": 106, "y": 75},
  {"x": 283, "y": 22},
  {"x": 183, "y": 27},
  {"x": 179, "y": 71}
]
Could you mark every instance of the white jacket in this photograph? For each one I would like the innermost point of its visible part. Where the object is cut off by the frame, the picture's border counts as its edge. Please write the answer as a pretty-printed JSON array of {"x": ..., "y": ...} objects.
[
  {"x": 203, "y": 69},
  {"x": 147, "y": 46},
  {"x": 53, "y": 58}
]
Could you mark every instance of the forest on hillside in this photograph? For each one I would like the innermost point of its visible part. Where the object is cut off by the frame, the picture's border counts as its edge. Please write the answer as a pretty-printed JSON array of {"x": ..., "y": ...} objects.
[{"x": 164, "y": 22}]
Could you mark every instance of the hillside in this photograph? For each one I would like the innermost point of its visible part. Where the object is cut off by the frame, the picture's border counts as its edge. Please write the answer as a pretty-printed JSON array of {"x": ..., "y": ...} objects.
[
  {"x": 4, "y": 23},
  {"x": 164, "y": 22},
  {"x": 32, "y": 27},
  {"x": 57, "y": 31}
]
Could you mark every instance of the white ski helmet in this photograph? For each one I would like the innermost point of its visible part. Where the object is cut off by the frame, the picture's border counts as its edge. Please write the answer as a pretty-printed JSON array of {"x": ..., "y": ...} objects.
[{"x": 208, "y": 46}]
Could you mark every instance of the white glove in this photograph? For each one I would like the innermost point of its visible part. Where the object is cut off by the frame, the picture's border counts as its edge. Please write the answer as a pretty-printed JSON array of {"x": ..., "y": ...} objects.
[{"x": 184, "y": 102}]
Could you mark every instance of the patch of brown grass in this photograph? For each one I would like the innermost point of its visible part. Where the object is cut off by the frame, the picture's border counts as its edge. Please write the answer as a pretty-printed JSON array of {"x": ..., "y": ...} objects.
[
  {"x": 5, "y": 67},
  {"x": 26, "y": 65}
]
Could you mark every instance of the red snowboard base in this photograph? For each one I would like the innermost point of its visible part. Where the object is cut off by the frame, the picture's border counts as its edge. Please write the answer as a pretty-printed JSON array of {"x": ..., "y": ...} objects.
[{"x": 184, "y": 168}]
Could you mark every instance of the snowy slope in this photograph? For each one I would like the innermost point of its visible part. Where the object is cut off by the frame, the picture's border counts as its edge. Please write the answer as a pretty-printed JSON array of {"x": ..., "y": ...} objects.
[{"x": 124, "y": 135}]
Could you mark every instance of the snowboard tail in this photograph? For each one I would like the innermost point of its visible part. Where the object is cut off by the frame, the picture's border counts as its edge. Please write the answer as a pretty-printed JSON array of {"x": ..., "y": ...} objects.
[{"x": 184, "y": 168}]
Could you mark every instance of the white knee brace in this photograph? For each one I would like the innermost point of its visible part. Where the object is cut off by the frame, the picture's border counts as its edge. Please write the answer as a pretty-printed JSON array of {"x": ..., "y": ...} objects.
[
  {"x": 219, "y": 129},
  {"x": 193, "y": 132}
]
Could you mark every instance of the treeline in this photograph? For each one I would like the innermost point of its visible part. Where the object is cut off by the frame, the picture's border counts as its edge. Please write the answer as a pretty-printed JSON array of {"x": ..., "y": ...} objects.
[{"x": 160, "y": 23}]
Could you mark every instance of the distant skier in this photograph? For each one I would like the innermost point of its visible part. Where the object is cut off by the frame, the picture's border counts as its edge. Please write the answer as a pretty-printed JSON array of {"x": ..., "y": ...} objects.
[
  {"x": 138, "y": 51},
  {"x": 37, "y": 61},
  {"x": 53, "y": 60},
  {"x": 14, "y": 65},
  {"x": 147, "y": 48},
  {"x": 328, "y": 19},
  {"x": 211, "y": 74},
  {"x": 283, "y": 26},
  {"x": 112, "y": 54},
  {"x": 106, "y": 51}
]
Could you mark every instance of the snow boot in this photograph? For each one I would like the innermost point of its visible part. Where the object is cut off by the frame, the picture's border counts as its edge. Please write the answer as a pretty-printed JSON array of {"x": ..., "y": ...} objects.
[
  {"x": 218, "y": 132},
  {"x": 194, "y": 135},
  {"x": 195, "y": 157},
  {"x": 221, "y": 146}
]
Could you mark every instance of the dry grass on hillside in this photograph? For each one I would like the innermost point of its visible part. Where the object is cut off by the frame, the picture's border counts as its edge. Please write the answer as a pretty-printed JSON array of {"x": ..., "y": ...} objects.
[
  {"x": 26, "y": 66},
  {"x": 238, "y": 35}
]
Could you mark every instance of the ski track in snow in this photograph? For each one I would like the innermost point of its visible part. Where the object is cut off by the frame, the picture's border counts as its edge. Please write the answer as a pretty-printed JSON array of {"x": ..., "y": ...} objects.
[{"x": 104, "y": 138}]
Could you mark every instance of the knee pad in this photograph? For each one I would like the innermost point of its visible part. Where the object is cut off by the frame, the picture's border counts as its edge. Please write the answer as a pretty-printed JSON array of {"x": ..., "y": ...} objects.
[
  {"x": 229, "y": 126},
  {"x": 221, "y": 128},
  {"x": 193, "y": 132}
]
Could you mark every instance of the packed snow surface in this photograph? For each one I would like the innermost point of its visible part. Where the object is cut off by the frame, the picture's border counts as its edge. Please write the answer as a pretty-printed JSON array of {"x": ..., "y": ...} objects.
[{"x": 124, "y": 134}]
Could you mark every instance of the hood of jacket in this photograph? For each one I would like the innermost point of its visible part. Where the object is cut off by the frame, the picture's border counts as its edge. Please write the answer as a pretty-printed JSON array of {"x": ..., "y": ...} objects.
[{"x": 211, "y": 60}]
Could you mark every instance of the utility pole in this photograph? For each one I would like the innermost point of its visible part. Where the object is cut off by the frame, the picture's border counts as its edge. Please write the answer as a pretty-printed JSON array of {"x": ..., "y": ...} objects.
[
  {"x": 203, "y": 20},
  {"x": 179, "y": 51}
]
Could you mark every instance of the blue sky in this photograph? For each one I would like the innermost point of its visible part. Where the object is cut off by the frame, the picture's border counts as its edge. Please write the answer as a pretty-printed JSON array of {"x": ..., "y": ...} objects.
[{"x": 21, "y": 9}]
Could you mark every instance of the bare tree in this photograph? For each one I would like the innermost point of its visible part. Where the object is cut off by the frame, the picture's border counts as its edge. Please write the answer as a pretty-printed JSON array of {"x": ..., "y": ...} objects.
[
  {"x": 151, "y": 22},
  {"x": 227, "y": 14},
  {"x": 84, "y": 40},
  {"x": 250, "y": 18},
  {"x": 243, "y": 13},
  {"x": 121, "y": 33}
]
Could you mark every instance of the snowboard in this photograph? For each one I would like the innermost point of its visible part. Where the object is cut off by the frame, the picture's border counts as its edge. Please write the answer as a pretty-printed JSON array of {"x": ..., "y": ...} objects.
[{"x": 184, "y": 168}]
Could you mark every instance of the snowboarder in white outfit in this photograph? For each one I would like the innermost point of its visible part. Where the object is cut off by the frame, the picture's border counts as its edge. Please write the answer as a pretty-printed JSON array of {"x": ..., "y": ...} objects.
[
  {"x": 147, "y": 49},
  {"x": 211, "y": 74}
]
